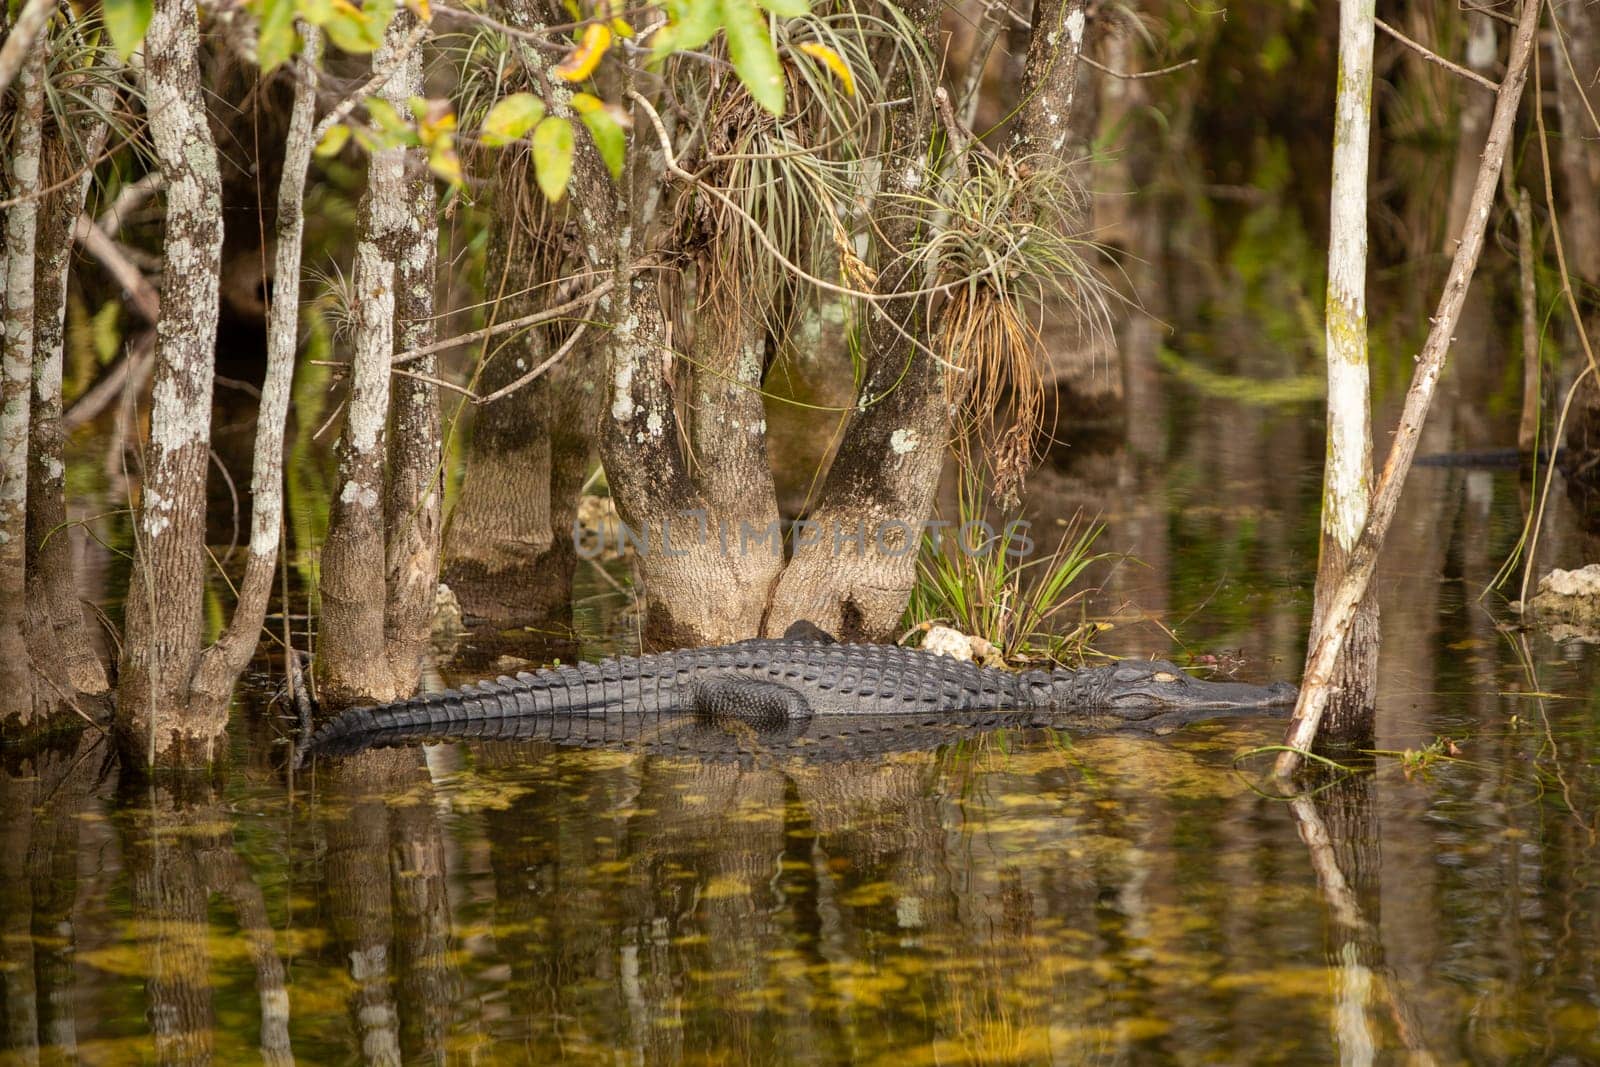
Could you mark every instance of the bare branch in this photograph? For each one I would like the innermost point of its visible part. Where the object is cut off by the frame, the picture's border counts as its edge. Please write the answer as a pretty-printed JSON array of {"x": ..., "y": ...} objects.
[
  {"x": 1137, "y": 75},
  {"x": 20, "y": 41},
  {"x": 1434, "y": 57},
  {"x": 141, "y": 294},
  {"x": 128, "y": 200},
  {"x": 379, "y": 79},
  {"x": 555, "y": 357},
  {"x": 580, "y": 303}
]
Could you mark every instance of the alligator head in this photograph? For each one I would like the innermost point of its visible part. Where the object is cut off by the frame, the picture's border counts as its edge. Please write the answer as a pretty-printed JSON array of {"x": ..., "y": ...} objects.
[{"x": 1141, "y": 689}]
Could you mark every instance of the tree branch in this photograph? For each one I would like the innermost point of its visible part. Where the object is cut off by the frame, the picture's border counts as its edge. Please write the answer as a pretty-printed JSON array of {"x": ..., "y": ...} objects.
[
  {"x": 1434, "y": 57},
  {"x": 141, "y": 294},
  {"x": 20, "y": 41},
  {"x": 581, "y": 303}
]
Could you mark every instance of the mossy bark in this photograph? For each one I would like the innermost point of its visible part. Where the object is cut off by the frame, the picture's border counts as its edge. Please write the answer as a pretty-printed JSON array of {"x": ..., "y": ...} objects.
[{"x": 1347, "y": 477}]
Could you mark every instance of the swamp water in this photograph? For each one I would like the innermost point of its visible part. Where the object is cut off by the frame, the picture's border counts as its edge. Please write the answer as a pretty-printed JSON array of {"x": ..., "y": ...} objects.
[{"x": 1012, "y": 897}]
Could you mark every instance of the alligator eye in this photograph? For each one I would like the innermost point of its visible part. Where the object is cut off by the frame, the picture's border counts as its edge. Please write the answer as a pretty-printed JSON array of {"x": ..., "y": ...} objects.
[{"x": 1163, "y": 676}]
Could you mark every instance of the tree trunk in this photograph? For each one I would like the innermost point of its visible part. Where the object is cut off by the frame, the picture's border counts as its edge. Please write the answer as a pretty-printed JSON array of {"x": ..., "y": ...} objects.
[
  {"x": 355, "y": 659},
  {"x": 164, "y": 624},
  {"x": 222, "y": 664},
  {"x": 855, "y": 580},
  {"x": 1343, "y": 604},
  {"x": 16, "y": 360},
  {"x": 1050, "y": 80},
  {"x": 414, "y": 502},
  {"x": 695, "y": 591},
  {"x": 1347, "y": 477},
  {"x": 508, "y": 547},
  {"x": 58, "y": 634}
]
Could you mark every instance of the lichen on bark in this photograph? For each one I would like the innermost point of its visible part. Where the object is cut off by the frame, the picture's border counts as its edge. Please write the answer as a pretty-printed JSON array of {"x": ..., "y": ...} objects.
[
  {"x": 155, "y": 718},
  {"x": 16, "y": 364}
]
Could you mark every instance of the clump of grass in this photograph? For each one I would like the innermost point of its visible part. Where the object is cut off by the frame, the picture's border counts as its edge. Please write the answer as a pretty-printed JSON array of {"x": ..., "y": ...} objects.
[{"x": 988, "y": 587}]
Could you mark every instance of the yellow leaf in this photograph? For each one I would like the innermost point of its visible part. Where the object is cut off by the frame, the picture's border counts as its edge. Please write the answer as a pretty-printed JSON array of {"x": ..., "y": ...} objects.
[
  {"x": 834, "y": 62},
  {"x": 434, "y": 119},
  {"x": 332, "y": 141},
  {"x": 444, "y": 162},
  {"x": 422, "y": 9},
  {"x": 621, "y": 27},
  {"x": 581, "y": 63}
]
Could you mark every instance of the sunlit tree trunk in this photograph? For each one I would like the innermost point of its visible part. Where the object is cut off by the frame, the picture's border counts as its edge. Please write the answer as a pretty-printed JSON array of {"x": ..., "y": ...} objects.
[
  {"x": 16, "y": 359},
  {"x": 1347, "y": 476},
  {"x": 57, "y": 630},
  {"x": 360, "y": 581},
  {"x": 1343, "y": 604},
  {"x": 413, "y": 504},
  {"x": 887, "y": 468},
  {"x": 164, "y": 624}
]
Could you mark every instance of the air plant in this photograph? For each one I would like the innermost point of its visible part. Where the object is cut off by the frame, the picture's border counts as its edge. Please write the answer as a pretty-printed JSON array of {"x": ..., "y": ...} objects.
[{"x": 1009, "y": 241}]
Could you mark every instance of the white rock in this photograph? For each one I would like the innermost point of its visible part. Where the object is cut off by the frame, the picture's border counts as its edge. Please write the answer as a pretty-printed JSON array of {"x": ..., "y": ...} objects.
[{"x": 943, "y": 641}]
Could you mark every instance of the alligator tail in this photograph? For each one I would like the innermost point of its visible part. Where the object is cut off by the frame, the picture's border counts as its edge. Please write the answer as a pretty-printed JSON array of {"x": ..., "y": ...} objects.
[{"x": 568, "y": 690}]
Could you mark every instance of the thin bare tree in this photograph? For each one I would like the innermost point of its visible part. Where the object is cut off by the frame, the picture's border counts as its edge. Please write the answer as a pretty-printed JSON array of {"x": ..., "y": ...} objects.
[
  {"x": 16, "y": 359},
  {"x": 1343, "y": 603},
  {"x": 1347, "y": 477}
]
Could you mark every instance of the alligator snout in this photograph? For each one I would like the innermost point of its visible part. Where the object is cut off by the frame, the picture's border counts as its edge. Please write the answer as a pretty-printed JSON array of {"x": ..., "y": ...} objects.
[{"x": 1282, "y": 693}]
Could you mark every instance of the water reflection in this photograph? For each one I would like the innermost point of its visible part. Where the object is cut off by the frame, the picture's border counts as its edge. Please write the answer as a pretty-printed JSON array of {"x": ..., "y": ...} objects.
[
  {"x": 1011, "y": 895},
  {"x": 180, "y": 858}
]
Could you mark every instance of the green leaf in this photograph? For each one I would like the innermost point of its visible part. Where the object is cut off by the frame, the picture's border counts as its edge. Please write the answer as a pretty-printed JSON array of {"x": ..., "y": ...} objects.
[
  {"x": 510, "y": 118},
  {"x": 357, "y": 30},
  {"x": 552, "y": 156},
  {"x": 788, "y": 9},
  {"x": 276, "y": 40},
  {"x": 395, "y": 130},
  {"x": 754, "y": 59},
  {"x": 604, "y": 129},
  {"x": 694, "y": 22},
  {"x": 127, "y": 20}
]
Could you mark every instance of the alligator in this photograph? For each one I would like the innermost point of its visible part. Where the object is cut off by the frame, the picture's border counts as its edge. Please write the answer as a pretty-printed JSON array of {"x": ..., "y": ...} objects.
[{"x": 780, "y": 689}]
